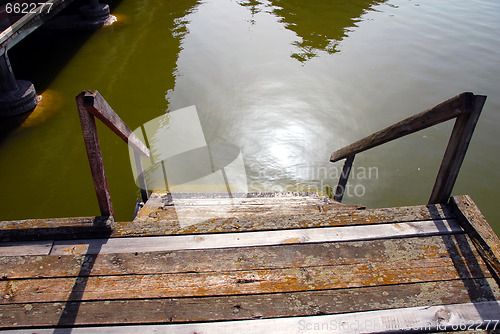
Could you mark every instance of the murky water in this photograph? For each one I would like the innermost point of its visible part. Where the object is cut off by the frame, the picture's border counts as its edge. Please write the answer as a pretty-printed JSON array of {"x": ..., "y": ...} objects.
[{"x": 288, "y": 82}]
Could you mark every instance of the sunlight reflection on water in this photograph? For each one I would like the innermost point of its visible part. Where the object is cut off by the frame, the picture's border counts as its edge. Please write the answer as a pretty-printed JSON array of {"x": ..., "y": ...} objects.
[{"x": 286, "y": 81}]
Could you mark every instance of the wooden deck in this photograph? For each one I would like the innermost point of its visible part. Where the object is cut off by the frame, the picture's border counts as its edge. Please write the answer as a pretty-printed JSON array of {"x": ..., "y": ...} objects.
[{"x": 291, "y": 263}]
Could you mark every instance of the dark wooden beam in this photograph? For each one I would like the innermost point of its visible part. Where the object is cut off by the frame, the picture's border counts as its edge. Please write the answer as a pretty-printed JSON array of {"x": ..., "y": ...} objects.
[{"x": 346, "y": 170}]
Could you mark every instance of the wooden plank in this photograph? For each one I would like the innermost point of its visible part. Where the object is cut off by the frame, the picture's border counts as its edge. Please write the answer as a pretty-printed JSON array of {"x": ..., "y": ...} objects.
[
  {"x": 478, "y": 229},
  {"x": 458, "y": 247},
  {"x": 190, "y": 217},
  {"x": 241, "y": 282},
  {"x": 47, "y": 223},
  {"x": 155, "y": 219},
  {"x": 55, "y": 228},
  {"x": 419, "y": 319},
  {"x": 217, "y": 207},
  {"x": 223, "y": 308},
  {"x": 164, "y": 198},
  {"x": 435, "y": 115},
  {"x": 95, "y": 104},
  {"x": 25, "y": 248},
  {"x": 455, "y": 151},
  {"x": 259, "y": 238},
  {"x": 95, "y": 158}
]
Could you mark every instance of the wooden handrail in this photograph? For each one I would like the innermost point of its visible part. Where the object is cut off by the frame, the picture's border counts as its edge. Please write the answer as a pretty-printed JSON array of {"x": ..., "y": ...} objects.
[
  {"x": 90, "y": 104},
  {"x": 466, "y": 107},
  {"x": 438, "y": 114}
]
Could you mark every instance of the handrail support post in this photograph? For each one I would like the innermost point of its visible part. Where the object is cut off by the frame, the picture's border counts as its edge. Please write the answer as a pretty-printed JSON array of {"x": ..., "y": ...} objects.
[
  {"x": 344, "y": 176},
  {"x": 455, "y": 151},
  {"x": 94, "y": 154},
  {"x": 92, "y": 105}
]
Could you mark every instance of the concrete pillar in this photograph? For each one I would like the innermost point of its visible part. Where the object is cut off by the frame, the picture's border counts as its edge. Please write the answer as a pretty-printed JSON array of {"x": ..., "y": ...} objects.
[
  {"x": 95, "y": 11},
  {"x": 16, "y": 96}
]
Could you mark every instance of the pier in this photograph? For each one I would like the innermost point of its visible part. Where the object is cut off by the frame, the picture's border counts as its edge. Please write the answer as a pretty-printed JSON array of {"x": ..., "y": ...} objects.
[
  {"x": 17, "y": 20},
  {"x": 280, "y": 262}
]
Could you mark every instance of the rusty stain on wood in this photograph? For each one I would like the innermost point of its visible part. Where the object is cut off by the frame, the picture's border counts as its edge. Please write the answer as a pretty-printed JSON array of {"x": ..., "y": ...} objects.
[{"x": 239, "y": 282}]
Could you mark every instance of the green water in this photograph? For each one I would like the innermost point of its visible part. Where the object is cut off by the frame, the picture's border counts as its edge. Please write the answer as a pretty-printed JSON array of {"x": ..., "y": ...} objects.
[{"x": 286, "y": 81}]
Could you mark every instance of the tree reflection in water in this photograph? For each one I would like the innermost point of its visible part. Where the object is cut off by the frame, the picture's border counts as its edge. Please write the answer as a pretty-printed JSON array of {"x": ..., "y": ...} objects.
[{"x": 319, "y": 25}]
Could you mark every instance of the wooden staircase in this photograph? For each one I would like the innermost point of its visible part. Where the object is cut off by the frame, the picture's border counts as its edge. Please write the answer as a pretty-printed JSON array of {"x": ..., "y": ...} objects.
[{"x": 286, "y": 263}]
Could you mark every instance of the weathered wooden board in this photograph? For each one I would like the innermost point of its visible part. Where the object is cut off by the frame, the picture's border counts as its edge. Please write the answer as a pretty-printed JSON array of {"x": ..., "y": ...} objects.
[
  {"x": 194, "y": 207},
  {"x": 158, "y": 221},
  {"x": 223, "y": 308},
  {"x": 25, "y": 248},
  {"x": 207, "y": 199},
  {"x": 46, "y": 223},
  {"x": 260, "y": 238},
  {"x": 458, "y": 247},
  {"x": 55, "y": 228},
  {"x": 424, "y": 319},
  {"x": 481, "y": 233},
  {"x": 236, "y": 282}
]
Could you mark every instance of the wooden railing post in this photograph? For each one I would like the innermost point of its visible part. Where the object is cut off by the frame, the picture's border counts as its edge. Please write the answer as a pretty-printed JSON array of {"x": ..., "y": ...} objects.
[
  {"x": 456, "y": 149},
  {"x": 346, "y": 170},
  {"x": 90, "y": 104},
  {"x": 89, "y": 130}
]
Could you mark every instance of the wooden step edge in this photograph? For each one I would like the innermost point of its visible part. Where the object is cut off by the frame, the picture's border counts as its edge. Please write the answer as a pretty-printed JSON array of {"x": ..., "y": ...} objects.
[
  {"x": 256, "y": 238},
  {"x": 313, "y": 195},
  {"x": 481, "y": 233},
  {"x": 454, "y": 317},
  {"x": 168, "y": 199},
  {"x": 241, "y": 239},
  {"x": 55, "y": 229},
  {"x": 240, "y": 307},
  {"x": 157, "y": 221},
  {"x": 457, "y": 246}
]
